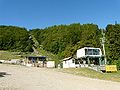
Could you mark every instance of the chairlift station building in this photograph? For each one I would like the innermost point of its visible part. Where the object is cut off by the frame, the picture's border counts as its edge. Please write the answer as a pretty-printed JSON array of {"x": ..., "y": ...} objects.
[
  {"x": 90, "y": 55},
  {"x": 85, "y": 57}
]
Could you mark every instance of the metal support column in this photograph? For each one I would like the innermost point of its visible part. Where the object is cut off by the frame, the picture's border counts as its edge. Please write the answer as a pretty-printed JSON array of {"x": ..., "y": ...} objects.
[
  {"x": 88, "y": 61},
  {"x": 100, "y": 61}
]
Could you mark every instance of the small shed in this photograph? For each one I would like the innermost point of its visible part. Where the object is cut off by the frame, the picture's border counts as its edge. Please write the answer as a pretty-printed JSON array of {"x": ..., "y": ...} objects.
[
  {"x": 39, "y": 61},
  {"x": 69, "y": 62}
]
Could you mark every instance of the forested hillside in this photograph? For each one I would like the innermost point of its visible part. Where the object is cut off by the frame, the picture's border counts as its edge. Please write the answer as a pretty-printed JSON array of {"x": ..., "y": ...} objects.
[
  {"x": 15, "y": 39},
  {"x": 64, "y": 40}
]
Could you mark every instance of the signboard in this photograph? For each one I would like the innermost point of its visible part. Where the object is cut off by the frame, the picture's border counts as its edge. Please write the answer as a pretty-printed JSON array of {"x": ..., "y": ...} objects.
[{"x": 111, "y": 68}]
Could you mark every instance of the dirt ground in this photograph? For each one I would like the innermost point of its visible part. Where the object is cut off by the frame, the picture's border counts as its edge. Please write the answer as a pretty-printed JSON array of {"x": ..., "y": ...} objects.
[{"x": 32, "y": 78}]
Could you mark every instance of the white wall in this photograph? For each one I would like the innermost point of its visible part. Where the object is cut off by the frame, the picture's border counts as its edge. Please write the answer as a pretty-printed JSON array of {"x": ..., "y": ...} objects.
[
  {"x": 50, "y": 64},
  {"x": 80, "y": 53},
  {"x": 68, "y": 64}
]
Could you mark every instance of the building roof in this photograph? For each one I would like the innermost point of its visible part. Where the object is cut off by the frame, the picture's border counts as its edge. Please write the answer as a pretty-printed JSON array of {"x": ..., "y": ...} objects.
[
  {"x": 40, "y": 57},
  {"x": 68, "y": 58},
  {"x": 90, "y": 48}
]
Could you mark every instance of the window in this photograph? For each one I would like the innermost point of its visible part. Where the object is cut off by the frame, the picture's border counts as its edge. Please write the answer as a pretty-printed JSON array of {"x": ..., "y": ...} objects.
[
  {"x": 92, "y": 52},
  {"x": 88, "y": 51},
  {"x": 96, "y": 52},
  {"x": 73, "y": 61}
]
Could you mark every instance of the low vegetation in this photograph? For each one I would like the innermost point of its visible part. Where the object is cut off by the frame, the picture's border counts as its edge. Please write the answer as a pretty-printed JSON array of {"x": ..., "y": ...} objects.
[
  {"x": 115, "y": 76},
  {"x": 5, "y": 55},
  {"x": 8, "y": 55}
]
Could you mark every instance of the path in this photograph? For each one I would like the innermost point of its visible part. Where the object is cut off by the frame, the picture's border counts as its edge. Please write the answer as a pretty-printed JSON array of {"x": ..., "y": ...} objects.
[{"x": 31, "y": 78}]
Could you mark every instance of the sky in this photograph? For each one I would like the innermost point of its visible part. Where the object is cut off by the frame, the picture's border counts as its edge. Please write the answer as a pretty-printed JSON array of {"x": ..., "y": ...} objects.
[{"x": 44, "y": 13}]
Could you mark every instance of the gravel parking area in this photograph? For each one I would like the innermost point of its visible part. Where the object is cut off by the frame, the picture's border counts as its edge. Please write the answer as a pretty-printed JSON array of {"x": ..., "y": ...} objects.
[{"x": 32, "y": 78}]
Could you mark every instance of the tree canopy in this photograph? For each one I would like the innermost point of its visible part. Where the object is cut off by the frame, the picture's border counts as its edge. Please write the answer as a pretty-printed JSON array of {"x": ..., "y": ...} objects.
[
  {"x": 15, "y": 39},
  {"x": 113, "y": 43},
  {"x": 64, "y": 40}
]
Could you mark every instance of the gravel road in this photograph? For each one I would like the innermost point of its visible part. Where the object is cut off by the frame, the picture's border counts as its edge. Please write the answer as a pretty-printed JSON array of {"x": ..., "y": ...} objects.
[{"x": 32, "y": 78}]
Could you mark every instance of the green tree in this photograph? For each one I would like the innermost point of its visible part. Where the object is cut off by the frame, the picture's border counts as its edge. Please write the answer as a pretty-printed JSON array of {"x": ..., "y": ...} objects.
[
  {"x": 15, "y": 39},
  {"x": 64, "y": 40},
  {"x": 113, "y": 43}
]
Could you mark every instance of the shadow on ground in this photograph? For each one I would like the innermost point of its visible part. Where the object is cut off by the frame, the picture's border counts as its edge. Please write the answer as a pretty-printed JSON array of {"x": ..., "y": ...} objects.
[{"x": 2, "y": 74}]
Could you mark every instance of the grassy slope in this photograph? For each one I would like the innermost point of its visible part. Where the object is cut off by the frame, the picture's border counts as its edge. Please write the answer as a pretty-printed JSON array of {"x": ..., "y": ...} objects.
[
  {"x": 93, "y": 74},
  {"x": 42, "y": 52},
  {"x": 6, "y": 55}
]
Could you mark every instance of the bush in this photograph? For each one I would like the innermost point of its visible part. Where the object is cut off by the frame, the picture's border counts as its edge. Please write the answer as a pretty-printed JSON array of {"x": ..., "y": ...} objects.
[{"x": 116, "y": 62}]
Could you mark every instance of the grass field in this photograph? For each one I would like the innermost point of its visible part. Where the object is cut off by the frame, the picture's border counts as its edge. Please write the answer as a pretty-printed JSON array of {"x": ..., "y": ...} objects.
[
  {"x": 5, "y": 55},
  {"x": 115, "y": 76}
]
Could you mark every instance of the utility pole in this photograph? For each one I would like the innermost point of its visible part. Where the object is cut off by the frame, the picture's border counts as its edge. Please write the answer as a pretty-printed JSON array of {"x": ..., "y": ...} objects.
[{"x": 103, "y": 45}]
